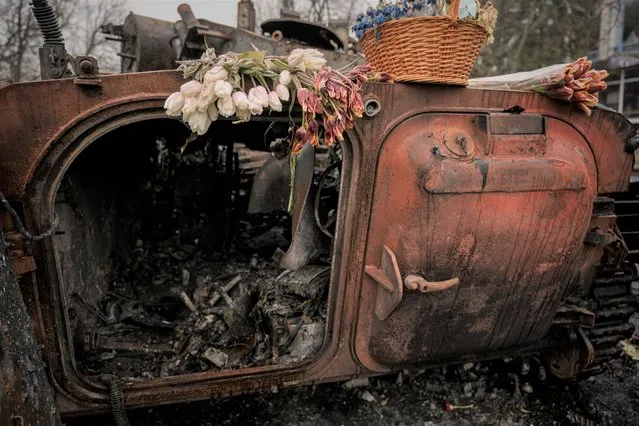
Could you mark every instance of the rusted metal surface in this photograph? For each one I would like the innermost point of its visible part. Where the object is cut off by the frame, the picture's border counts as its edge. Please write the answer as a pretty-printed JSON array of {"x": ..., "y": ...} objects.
[
  {"x": 496, "y": 223},
  {"x": 149, "y": 44},
  {"x": 511, "y": 229}
]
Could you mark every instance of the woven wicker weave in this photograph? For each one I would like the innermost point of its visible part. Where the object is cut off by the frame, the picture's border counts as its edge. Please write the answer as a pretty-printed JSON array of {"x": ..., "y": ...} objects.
[{"x": 427, "y": 49}]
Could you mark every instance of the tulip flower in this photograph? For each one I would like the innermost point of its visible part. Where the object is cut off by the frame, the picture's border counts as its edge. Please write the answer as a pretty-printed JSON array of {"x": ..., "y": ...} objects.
[
  {"x": 203, "y": 100},
  {"x": 216, "y": 73},
  {"x": 262, "y": 95},
  {"x": 174, "y": 104},
  {"x": 256, "y": 108},
  {"x": 274, "y": 102},
  {"x": 259, "y": 96},
  {"x": 313, "y": 59},
  {"x": 213, "y": 112},
  {"x": 199, "y": 122},
  {"x": 241, "y": 101},
  {"x": 190, "y": 106},
  {"x": 208, "y": 93},
  {"x": 223, "y": 89},
  {"x": 584, "y": 108},
  {"x": 563, "y": 93},
  {"x": 309, "y": 101},
  {"x": 577, "y": 85},
  {"x": 243, "y": 115},
  {"x": 282, "y": 92},
  {"x": 580, "y": 95},
  {"x": 591, "y": 99},
  {"x": 225, "y": 106},
  {"x": 596, "y": 86},
  {"x": 191, "y": 89},
  {"x": 306, "y": 59},
  {"x": 296, "y": 59},
  {"x": 285, "y": 78}
]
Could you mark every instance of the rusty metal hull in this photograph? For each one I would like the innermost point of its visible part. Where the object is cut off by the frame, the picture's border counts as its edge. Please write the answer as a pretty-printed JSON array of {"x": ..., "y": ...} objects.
[{"x": 436, "y": 177}]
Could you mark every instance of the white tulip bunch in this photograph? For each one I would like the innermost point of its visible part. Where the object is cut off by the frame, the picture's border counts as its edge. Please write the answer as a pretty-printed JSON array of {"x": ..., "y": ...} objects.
[{"x": 218, "y": 85}]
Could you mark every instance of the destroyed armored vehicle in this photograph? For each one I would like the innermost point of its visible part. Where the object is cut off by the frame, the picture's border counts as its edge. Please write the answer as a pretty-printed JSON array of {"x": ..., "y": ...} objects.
[{"x": 451, "y": 225}]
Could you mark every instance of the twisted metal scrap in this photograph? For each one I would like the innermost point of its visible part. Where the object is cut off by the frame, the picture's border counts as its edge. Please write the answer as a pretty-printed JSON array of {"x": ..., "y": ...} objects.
[{"x": 20, "y": 226}]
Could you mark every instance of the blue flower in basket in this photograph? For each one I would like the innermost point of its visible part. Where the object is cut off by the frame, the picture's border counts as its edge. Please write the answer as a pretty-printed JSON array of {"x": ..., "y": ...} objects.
[{"x": 467, "y": 8}]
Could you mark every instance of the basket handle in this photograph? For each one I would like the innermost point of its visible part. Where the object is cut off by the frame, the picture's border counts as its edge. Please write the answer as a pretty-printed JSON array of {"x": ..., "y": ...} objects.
[{"x": 453, "y": 8}]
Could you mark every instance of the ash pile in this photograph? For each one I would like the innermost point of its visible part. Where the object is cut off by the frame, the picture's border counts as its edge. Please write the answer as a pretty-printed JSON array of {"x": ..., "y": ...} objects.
[{"x": 201, "y": 288}]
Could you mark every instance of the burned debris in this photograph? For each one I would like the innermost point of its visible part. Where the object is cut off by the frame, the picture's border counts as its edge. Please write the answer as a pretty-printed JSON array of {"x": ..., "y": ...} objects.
[{"x": 176, "y": 275}]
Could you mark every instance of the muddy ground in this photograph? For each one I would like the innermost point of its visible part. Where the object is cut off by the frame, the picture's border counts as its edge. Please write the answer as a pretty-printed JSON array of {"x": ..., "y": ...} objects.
[{"x": 481, "y": 394}]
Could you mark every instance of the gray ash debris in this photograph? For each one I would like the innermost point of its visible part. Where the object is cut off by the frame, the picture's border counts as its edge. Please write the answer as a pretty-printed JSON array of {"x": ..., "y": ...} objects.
[{"x": 195, "y": 287}]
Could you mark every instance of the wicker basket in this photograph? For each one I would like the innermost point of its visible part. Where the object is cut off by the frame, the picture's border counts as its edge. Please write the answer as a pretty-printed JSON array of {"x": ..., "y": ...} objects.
[{"x": 428, "y": 49}]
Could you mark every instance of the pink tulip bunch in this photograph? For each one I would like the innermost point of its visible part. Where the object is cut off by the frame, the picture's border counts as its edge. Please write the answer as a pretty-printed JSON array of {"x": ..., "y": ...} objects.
[
  {"x": 337, "y": 99},
  {"x": 577, "y": 83}
]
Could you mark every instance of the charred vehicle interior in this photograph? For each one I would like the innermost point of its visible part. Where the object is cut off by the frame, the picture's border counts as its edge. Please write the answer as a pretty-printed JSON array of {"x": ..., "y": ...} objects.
[
  {"x": 176, "y": 275},
  {"x": 446, "y": 227}
]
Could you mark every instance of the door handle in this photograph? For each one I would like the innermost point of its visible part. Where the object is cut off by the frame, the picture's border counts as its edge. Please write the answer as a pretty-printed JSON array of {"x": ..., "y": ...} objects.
[
  {"x": 417, "y": 282},
  {"x": 390, "y": 284}
]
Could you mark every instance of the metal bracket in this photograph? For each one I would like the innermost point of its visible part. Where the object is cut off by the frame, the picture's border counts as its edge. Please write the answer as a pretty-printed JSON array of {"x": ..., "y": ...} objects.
[
  {"x": 87, "y": 71},
  {"x": 54, "y": 61},
  {"x": 391, "y": 287}
]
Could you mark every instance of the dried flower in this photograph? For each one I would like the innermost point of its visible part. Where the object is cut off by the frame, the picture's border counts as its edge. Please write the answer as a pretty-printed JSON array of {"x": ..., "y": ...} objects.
[
  {"x": 243, "y": 115},
  {"x": 309, "y": 101},
  {"x": 225, "y": 106},
  {"x": 208, "y": 93},
  {"x": 306, "y": 59},
  {"x": 282, "y": 92},
  {"x": 296, "y": 59},
  {"x": 262, "y": 95},
  {"x": 223, "y": 89},
  {"x": 199, "y": 122},
  {"x": 596, "y": 86},
  {"x": 191, "y": 89},
  {"x": 190, "y": 106},
  {"x": 580, "y": 95},
  {"x": 576, "y": 82},
  {"x": 577, "y": 85},
  {"x": 255, "y": 108},
  {"x": 258, "y": 97},
  {"x": 274, "y": 102},
  {"x": 313, "y": 132},
  {"x": 285, "y": 78},
  {"x": 216, "y": 73},
  {"x": 204, "y": 99},
  {"x": 563, "y": 93},
  {"x": 241, "y": 101},
  {"x": 212, "y": 112},
  {"x": 174, "y": 104}
]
